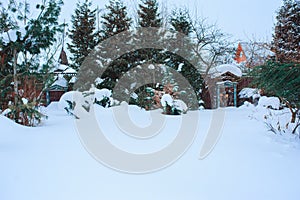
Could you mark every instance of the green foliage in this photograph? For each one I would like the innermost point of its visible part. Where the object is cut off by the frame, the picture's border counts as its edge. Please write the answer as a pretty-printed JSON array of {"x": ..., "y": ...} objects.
[
  {"x": 148, "y": 14},
  {"x": 32, "y": 35},
  {"x": 24, "y": 42},
  {"x": 279, "y": 79},
  {"x": 83, "y": 36},
  {"x": 25, "y": 114},
  {"x": 70, "y": 108},
  {"x": 104, "y": 102},
  {"x": 282, "y": 80},
  {"x": 286, "y": 38},
  {"x": 116, "y": 20},
  {"x": 172, "y": 110},
  {"x": 181, "y": 22}
]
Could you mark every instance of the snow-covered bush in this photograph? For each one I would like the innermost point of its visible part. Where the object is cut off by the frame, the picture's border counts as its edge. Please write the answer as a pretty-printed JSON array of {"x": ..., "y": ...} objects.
[
  {"x": 247, "y": 104},
  {"x": 68, "y": 98},
  {"x": 25, "y": 113},
  {"x": 173, "y": 107},
  {"x": 250, "y": 94},
  {"x": 103, "y": 97},
  {"x": 86, "y": 99},
  {"x": 279, "y": 122},
  {"x": 271, "y": 102}
]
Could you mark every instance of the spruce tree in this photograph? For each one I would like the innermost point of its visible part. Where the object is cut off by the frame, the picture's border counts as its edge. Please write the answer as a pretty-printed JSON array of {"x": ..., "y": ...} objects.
[
  {"x": 286, "y": 38},
  {"x": 116, "y": 20},
  {"x": 148, "y": 14},
  {"x": 181, "y": 22},
  {"x": 82, "y": 35}
]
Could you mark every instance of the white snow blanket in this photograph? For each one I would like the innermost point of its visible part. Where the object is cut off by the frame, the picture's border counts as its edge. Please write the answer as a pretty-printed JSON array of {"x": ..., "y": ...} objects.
[{"x": 49, "y": 162}]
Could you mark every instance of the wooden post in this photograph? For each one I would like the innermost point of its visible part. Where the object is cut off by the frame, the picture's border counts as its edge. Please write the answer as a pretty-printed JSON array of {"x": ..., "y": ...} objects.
[
  {"x": 218, "y": 96},
  {"x": 15, "y": 57},
  {"x": 234, "y": 94}
]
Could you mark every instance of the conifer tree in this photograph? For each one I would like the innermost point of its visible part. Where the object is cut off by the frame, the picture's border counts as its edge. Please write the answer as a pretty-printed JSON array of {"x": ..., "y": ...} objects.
[
  {"x": 286, "y": 38},
  {"x": 280, "y": 77},
  {"x": 116, "y": 20},
  {"x": 148, "y": 14},
  {"x": 282, "y": 80},
  {"x": 82, "y": 35},
  {"x": 181, "y": 22}
]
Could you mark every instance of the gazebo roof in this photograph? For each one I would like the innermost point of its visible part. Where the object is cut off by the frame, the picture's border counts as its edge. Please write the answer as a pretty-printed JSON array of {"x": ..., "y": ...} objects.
[
  {"x": 59, "y": 84},
  {"x": 225, "y": 68}
]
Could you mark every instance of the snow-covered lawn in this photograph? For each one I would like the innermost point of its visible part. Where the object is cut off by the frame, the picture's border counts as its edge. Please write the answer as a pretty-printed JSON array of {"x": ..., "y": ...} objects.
[{"x": 50, "y": 163}]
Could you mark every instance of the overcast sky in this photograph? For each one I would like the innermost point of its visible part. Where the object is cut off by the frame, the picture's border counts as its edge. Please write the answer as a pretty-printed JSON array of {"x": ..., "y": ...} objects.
[{"x": 243, "y": 19}]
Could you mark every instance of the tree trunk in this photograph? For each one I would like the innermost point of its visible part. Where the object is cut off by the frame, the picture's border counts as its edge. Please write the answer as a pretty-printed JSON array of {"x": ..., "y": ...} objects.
[
  {"x": 295, "y": 129},
  {"x": 294, "y": 112},
  {"x": 293, "y": 120},
  {"x": 15, "y": 57}
]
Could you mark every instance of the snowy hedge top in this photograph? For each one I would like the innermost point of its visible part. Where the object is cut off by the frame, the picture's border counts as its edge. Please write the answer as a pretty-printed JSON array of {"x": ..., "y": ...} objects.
[
  {"x": 222, "y": 69},
  {"x": 249, "y": 92}
]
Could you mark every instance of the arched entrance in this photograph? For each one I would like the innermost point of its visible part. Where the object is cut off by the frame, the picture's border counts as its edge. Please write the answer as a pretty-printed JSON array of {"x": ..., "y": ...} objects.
[{"x": 226, "y": 94}]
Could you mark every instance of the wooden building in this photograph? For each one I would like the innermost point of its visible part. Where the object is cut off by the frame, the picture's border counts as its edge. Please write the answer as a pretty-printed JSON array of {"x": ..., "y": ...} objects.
[{"x": 65, "y": 77}]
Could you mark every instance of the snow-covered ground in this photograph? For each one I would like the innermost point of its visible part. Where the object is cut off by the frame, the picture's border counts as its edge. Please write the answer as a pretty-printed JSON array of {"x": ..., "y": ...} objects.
[{"x": 50, "y": 163}]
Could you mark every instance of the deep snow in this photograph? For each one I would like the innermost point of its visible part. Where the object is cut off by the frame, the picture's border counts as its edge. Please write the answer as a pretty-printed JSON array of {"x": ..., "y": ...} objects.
[{"x": 50, "y": 163}]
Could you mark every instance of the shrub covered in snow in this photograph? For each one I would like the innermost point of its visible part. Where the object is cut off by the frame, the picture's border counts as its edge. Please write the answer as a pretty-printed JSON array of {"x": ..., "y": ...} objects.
[
  {"x": 171, "y": 106},
  {"x": 271, "y": 102},
  {"x": 246, "y": 104},
  {"x": 69, "y": 97},
  {"x": 103, "y": 97},
  {"x": 277, "y": 121},
  {"x": 86, "y": 99},
  {"x": 25, "y": 113}
]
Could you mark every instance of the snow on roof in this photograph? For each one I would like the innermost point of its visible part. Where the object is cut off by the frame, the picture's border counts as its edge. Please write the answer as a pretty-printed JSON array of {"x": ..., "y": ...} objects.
[
  {"x": 73, "y": 79},
  {"x": 70, "y": 70},
  {"x": 222, "y": 69},
  {"x": 61, "y": 67},
  {"x": 61, "y": 81}
]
